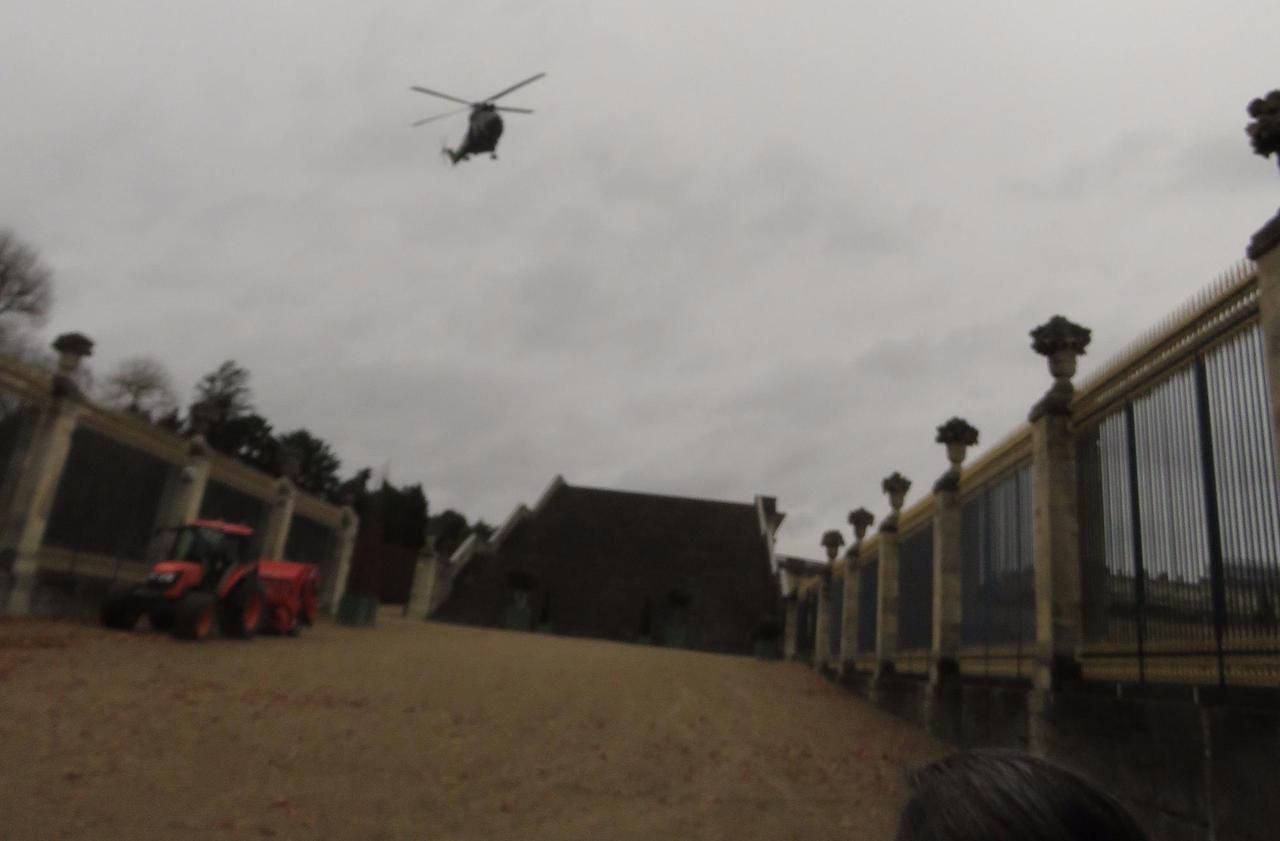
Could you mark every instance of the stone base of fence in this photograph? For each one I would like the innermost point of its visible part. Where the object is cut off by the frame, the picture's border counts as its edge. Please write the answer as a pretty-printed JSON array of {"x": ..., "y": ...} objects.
[{"x": 1191, "y": 766}]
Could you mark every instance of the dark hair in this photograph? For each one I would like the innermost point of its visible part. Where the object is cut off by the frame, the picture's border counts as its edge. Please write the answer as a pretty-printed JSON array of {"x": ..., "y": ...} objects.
[{"x": 990, "y": 795}]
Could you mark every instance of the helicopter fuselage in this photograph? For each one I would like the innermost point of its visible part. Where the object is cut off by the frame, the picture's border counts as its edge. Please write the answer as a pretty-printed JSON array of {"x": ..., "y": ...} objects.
[{"x": 483, "y": 132}]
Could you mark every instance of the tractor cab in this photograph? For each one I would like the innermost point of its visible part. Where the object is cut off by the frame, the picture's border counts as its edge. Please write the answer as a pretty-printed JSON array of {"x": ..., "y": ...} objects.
[{"x": 199, "y": 554}]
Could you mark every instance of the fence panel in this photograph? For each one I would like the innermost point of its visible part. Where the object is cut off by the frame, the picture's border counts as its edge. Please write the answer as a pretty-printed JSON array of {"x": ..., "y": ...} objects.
[
  {"x": 108, "y": 499},
  {"x": 1180, "y": 526},
  {"x": 18, "y": 418},
  {"x": 106, "y": 508},
  {"x": 997, "y": 582},
  {"x": 868, "y": 601},
  {"x": 314, "y": 543},
  {"x": 835, "y": 610},
  {"x": 1240, "y": 410},
  {"x": 223, "y": 502},
  {"x": 807, "y": 624},
  {"x": 915, "y": 591}
]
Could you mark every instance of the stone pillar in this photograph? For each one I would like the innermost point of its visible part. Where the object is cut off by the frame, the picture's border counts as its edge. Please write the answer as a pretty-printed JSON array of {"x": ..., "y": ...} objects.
[
  {"x": 1264, "y": 249},
  {"x": 948, "y": 550},
  {"x": 1055, "y": 526},
  {"x": 832, "y": 540},
  {"x": 276, "y": 534},
  {"x": 822, "y": 632},
  {"x": 861, "y": 519},
  {"x": 39, "y": 471},
  {"x": 188, "y": 494},
  {"x": 791, "y": 629},
  {"x": 1269, "y": 310},
  {"x": 350, "y": 525},
  {"x": 896, "y": 486},
  {"x": 849, "y": 619},
  {"x": 424, "y": 580}
]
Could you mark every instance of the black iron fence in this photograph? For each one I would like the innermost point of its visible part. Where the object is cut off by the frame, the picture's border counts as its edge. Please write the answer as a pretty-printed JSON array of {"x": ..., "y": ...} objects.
[
  {"x": 1180, "y": 526},
  {"x": 835, "y": 610},
  {"x": 806, "y": 624},
  {"x": 868, "y": 599},
  {"x": 108, "y": 499},
  {"x": 314, "y": 543},
  {"x": 223, "y": 502},
  {"x": 915, "y": 590},
  {"x": 997, "y": 584},
  {"x": 17, "y": 423},
  {"x": 107, "y": 506},
  {"x": 309, "y": 541}
]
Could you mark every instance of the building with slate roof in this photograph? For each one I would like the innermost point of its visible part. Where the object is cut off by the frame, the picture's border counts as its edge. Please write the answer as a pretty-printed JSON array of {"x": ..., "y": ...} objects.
[{"x": 618, "y": 565}]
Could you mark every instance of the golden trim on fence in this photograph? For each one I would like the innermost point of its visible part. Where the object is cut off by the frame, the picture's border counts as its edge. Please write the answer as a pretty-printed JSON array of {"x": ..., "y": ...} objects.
[
  {"x": 914, "y": 662},
  {"x": 242, "y": 477},
  {"x": 315, "y": 508},
  {"x": 89, "y": 564},
  {"x": 992, "y": 466},
  {"x": 1230, "y": 302},
  {"x": 135, "y": 433},
  {"x": 25, "y": 381},
  {"x": 1003, "y": 661},
  {"x": 918, "y": 514}
]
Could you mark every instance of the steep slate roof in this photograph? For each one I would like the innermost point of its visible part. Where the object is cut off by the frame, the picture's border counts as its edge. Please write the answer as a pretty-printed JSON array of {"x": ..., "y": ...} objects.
[
  {"x": 602, "y": 553},
  {"x": 640, "y": 525}
]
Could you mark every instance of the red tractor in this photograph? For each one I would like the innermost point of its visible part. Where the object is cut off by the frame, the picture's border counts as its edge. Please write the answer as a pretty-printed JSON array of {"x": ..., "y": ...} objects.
[{"x": 205, "y": 578}]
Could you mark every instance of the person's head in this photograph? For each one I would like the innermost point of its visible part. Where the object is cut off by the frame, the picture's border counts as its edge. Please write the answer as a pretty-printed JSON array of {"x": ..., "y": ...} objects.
[{"x": 992, "y": 795}]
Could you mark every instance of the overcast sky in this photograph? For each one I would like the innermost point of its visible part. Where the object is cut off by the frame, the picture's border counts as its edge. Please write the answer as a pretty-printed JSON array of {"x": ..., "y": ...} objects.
[{"x": 741, "y": 248}]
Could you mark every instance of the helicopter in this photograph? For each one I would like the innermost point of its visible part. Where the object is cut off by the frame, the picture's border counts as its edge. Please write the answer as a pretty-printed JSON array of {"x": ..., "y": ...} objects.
[{"x": 485, "y": 126}]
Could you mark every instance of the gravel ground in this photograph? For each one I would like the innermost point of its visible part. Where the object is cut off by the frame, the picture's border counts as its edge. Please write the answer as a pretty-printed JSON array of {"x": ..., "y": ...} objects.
[{"x": 418, "y": 731}]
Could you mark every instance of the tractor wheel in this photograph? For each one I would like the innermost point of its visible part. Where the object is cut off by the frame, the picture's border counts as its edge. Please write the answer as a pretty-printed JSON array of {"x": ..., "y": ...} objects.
[
  {"x": 194, "y": 617},
  {"x": 242, "y": 611},
  {"x": 310, "y": 605},
  {"x": 161, "y": 620},
  {"x": 284, "y": 621},
  {"x": 121, "y": 610}
]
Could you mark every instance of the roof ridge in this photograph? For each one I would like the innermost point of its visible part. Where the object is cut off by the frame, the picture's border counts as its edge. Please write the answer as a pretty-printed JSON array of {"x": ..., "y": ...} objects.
[{"x": 675, "y": 497}]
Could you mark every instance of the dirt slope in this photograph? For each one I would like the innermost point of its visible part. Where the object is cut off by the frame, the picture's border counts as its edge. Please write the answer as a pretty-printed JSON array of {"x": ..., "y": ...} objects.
[{"x": 422, "y": 731}]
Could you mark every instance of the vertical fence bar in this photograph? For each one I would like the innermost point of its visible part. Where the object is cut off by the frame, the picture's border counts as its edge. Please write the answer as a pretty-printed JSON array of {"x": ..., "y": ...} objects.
[
  {"x": 1139, "y": 574},
  {"x": 1217, "y": 581}
]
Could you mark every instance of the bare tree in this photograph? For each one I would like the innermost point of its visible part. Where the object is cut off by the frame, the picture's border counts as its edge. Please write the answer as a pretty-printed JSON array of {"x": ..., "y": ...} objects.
[
  {"x": 226, "y": 389},
  {"x": 26, "y": 286},
  {"x": 142, "y": 386}
]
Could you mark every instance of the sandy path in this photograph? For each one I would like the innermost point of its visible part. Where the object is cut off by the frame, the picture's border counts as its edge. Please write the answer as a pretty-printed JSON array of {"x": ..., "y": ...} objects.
[{"x": 421, "y": 731}]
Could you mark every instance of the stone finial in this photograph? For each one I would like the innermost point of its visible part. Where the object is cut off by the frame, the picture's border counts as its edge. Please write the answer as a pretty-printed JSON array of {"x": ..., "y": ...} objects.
[
  {"x": 861, "y": 520},
  {"x": 1264, "y": 134},
  {"x": 71, "y": 348},
  {"x": 1264, "y": 131},
  {"x": 896, "y": 486},
  {"x": 203, "y": 415},
  {"x": 958, "y": 435},
  {"x": 832, "y": 540},
  {"x": 1061, "y": 341}
]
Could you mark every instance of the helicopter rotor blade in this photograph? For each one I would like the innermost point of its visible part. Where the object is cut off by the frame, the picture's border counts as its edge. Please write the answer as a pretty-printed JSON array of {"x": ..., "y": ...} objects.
[
  {"x": 512, "y": 110},
  {"x": 439, "y": 117},
  {"x": 441, "y": 95},
  {"x": 515, "y": 87}
]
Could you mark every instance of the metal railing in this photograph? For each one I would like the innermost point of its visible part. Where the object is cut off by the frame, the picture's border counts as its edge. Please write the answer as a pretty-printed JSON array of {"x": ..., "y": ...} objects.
[
  {"x": 915, "y": 590},
  {"x": 835, "y": 611},
  {"x": 224, "y": 502},
  {"x": 1179, "y": 520},
  {"x": 997, "y": 587},
  {"x": 868, "y": 599}
]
